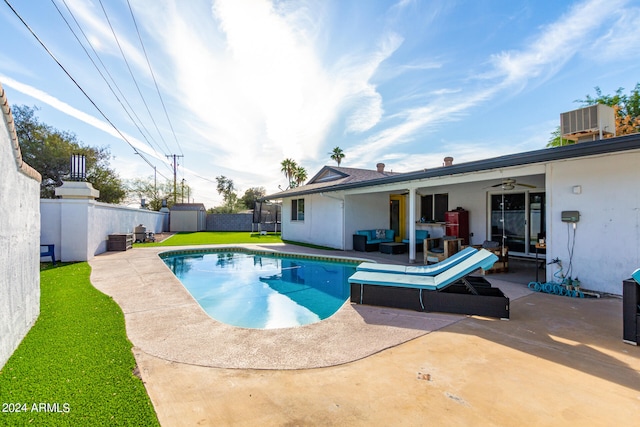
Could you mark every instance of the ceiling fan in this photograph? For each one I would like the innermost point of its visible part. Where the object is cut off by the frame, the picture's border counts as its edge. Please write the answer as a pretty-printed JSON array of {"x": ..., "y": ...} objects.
[{"x": 510, "y": 184}]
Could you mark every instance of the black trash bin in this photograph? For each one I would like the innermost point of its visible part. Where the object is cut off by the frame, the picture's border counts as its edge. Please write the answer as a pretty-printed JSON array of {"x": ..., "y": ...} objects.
[{"x": 631, "y": 311}]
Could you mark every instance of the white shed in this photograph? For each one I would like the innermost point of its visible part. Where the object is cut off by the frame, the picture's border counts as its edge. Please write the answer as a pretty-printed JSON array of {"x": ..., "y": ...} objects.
[{"x": 187, "y": 217}]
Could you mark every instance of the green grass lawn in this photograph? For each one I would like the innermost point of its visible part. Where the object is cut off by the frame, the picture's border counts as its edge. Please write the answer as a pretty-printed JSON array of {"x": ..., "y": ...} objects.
[
  {"x": 75, "y": 366},
  {"x": 76, "y": 358},
  {"x": 215, "y": 237}
]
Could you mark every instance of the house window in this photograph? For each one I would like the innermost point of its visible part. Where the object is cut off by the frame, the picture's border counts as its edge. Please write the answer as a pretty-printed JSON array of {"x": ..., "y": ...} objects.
[
  {"x": 297, "y": 210},
  {"x": 434, "y": 206}
]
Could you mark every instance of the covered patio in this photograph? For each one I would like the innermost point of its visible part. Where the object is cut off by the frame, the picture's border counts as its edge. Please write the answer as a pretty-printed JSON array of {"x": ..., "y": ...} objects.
[{"x": 507, "y": 207}]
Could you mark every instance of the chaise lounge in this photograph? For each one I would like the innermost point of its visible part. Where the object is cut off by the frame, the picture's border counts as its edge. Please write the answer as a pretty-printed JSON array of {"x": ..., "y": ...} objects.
[
  {"x": 452, "y": 290},
  {"x": 426, "y": 270}
]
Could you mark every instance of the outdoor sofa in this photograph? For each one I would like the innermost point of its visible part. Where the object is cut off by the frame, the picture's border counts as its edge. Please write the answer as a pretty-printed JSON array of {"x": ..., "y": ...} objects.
[{"x": 369, "y": 240}]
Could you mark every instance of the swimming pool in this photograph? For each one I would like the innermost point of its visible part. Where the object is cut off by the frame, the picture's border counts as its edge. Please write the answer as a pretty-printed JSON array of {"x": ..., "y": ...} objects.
[{"x": 262, "y": 290}]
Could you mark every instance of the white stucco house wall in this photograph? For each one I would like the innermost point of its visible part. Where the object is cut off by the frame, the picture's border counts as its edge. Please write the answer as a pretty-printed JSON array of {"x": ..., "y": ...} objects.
[
  {"x": 599, "y": 179},
  {"x": 19, "y": 239}
]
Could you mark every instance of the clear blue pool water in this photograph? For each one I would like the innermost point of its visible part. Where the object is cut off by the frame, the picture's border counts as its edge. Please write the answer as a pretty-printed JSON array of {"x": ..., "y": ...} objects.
[{"x": 263, "y": 291}]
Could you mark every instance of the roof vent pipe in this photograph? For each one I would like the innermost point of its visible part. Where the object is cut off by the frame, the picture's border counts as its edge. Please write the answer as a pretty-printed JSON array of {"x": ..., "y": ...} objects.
[
  {"x": 448, "y": 161},
  {"x": 380, "y": 167}
]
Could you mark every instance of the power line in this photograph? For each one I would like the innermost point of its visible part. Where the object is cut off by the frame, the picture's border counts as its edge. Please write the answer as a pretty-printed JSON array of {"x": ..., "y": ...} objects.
[
  {"x": 135, "y": 150},
  {"x": 135, "y": 82},
  {"x": 154, "y": 77},
  {"x": 106, "y": 70},
  {"x": 202, "y": 177}
]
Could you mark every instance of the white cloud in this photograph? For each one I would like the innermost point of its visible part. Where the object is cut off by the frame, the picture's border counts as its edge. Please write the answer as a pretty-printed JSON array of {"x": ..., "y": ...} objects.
[
  {"x": 445, "y": 91},
  {"x": 96, "y": 27},
  {"x": 367, "y": 110},
  {"x": 621, "y": 41},
  {"x": 555, "y": 45},
  {"x": 77, "y": 114},
  {"x": 252, "y": 84},
  {"x": 364, "y": 100},
  {"x": 417, "y": 119},
  {"x": 552, "y": 47}
]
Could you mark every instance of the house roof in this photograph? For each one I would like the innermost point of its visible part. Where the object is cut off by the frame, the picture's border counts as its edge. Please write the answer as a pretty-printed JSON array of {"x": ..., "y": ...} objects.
[
  {"x": 332, "y": 176},
  {"x": 583, "y": 149},
  {"x": 188, "y": 207}
]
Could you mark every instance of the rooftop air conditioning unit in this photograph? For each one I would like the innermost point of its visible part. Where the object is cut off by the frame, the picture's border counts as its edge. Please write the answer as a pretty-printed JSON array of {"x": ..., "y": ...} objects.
[{"x": 588, "y": 124}]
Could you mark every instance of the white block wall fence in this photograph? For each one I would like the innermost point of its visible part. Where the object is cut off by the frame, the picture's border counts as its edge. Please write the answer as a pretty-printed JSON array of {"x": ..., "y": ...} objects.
[
  {"x": 19, "y": 239},
  {"x": 80, "y": 228}
]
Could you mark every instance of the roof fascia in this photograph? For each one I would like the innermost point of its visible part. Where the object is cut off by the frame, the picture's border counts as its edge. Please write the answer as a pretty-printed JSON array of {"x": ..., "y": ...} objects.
[{"x": 545, "y": 155}]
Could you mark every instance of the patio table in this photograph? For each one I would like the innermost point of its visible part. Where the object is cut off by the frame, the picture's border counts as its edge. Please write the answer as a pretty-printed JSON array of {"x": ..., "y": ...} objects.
[{"x": 392, "y": 248}]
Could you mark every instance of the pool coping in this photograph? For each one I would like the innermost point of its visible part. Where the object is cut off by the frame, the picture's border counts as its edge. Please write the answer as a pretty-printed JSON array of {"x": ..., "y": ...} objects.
[{"x": 163, "y": 320}]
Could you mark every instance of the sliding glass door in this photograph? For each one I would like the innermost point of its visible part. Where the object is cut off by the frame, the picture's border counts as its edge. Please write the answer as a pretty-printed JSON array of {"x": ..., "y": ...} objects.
[
  {"x": 537, "y": 215},
  {"x": 517, "y": 220}
]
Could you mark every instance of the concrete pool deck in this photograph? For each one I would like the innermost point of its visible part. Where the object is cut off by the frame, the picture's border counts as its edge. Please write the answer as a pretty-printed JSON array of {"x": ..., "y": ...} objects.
[{"x": 558, "y": 361}]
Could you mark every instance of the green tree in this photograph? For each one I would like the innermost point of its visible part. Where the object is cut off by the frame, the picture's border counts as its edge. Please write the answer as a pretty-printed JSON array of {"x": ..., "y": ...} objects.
[
  {"x": 337, "y": 155},
  {"x": 145, "y": 188},
  {"x": 49, "y": 151},
  {"x": 557, "y": 140},
  {"x": 627, "y": 108},
  {"x": 288, "y": 167},
  {"x": 251, "y": 195},
  {"x": 299, "y": 175},
  {"x": 112, "y": 188},
  {"x": 226, "y": 188}
]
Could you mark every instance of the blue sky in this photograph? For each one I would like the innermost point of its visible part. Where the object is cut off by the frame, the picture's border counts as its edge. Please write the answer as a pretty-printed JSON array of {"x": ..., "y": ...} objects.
[{"x": 248, "y": 83}]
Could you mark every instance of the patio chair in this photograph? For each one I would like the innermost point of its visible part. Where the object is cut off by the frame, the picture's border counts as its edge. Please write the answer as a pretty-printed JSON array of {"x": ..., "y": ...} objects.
[
  {"x": 437, "y": 249},
  {"x": 481, "y": 259},
  {"x": 49, "y": 251},
  {"x": 502, "y": 252},
  {"x": 423, "y": 270},
  {"x": 451, "y": 291},
  {"x": 420, "y": 236}
]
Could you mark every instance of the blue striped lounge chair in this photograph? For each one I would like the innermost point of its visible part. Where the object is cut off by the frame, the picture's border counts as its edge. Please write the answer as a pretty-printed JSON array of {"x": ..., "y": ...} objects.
[{"x": 422, "y": 270}]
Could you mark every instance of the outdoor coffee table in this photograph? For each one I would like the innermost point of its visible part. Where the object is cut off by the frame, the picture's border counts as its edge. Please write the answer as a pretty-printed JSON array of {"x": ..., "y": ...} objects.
[{"x": 392, "y": 248}]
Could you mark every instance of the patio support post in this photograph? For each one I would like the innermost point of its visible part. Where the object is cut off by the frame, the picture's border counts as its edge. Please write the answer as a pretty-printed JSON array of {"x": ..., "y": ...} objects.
[{"x": 412, "y": 225}]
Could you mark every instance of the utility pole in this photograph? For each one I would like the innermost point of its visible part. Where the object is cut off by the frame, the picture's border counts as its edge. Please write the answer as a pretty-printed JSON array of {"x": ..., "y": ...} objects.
[
  {"x": 155, "y": 183},
  {"x": 175, "y": 169}
]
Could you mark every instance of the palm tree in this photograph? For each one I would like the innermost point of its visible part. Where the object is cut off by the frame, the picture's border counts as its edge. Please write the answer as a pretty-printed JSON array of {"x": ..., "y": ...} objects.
[
  {"x": 288, "y": 167},
  {"x": 300, "y": 175},
  {"x": 337, "y": 154}
]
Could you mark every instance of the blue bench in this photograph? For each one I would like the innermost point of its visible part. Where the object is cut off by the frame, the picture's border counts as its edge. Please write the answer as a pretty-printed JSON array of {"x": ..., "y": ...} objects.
[{"x": 49, "y": 252}]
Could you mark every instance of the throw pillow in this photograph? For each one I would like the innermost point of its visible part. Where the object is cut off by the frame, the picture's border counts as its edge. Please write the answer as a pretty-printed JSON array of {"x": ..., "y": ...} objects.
[{"x": 488, "y": 244}]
